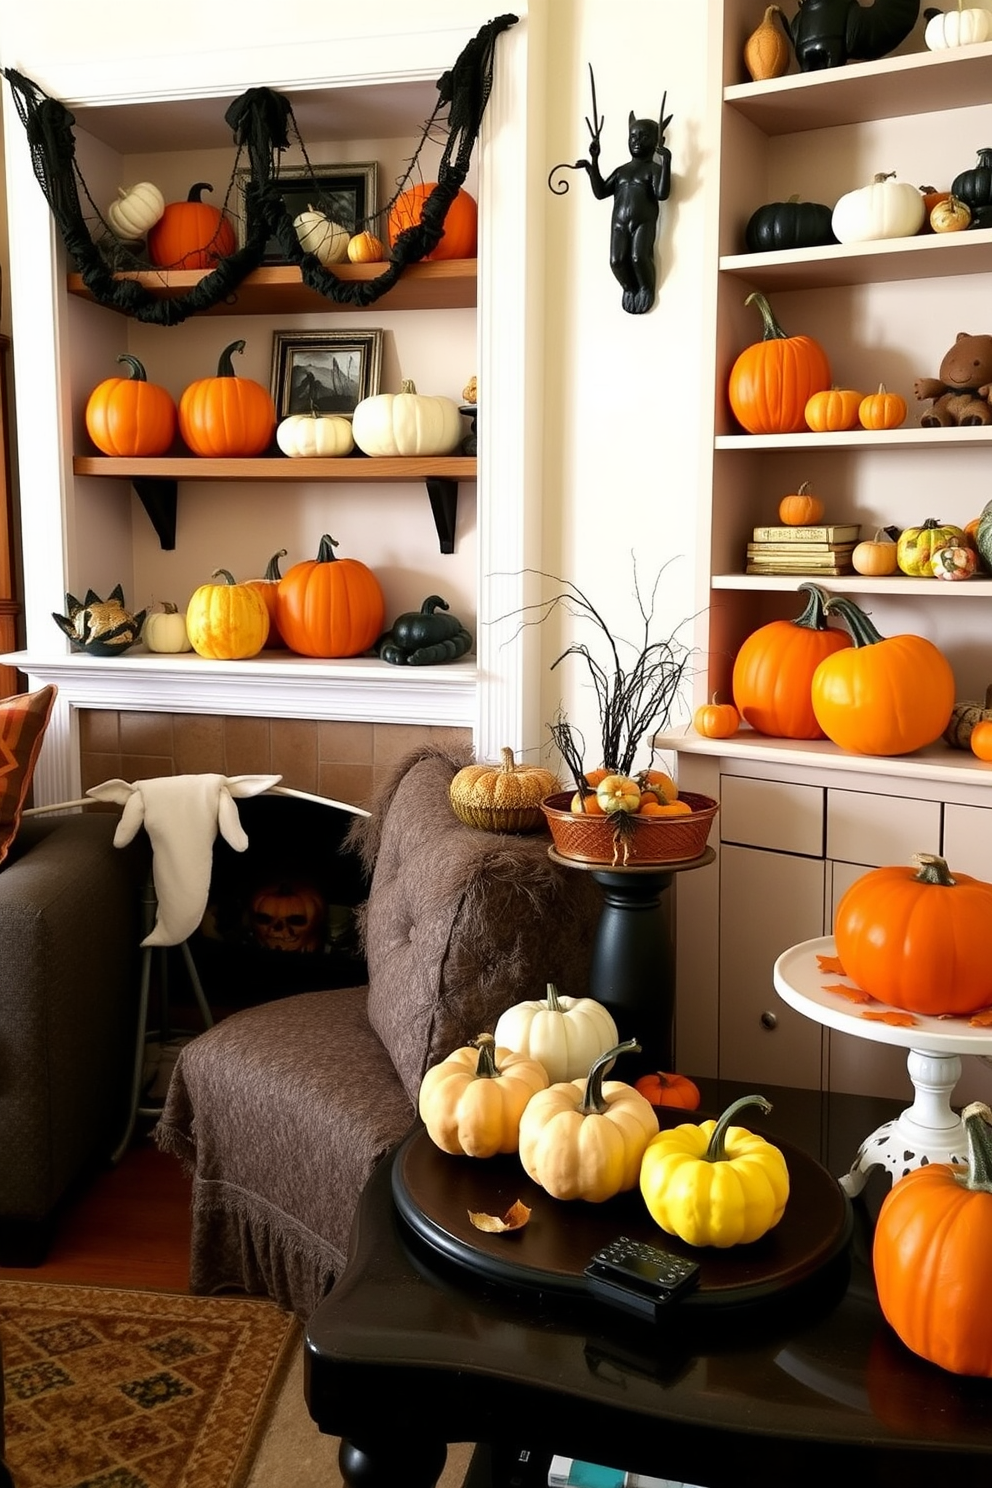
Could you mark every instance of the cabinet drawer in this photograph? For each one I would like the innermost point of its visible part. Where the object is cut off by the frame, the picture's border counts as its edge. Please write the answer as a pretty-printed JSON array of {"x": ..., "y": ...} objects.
[
  {"x": 968, "y": 840},
  {"x": 769, "y": 813},
  {"x": 880, "y": 830}
]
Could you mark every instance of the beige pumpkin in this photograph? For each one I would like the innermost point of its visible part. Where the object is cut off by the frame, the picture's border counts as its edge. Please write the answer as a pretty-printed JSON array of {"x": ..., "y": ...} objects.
[
  {"x": 886, "y": 208},
  {"x": 502, "y": 798},
  {"x": 165, "y": 630},
  {"x": 565, "y": 1034},
  {"x": 407, "y": 423},
  {"x": 471, "y": 1103},
  {"x": 320, "y": 235},
  {"x": 136, "y": 211},
  {"x": 315, "y": 436},
  {"x": 875, "y": 557}
]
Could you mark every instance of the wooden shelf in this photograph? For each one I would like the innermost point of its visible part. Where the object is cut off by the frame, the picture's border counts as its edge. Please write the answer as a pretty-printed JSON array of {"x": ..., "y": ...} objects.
[
  {"x": 974, "y": 435},
  {"x": 156, "y": 481},
  {"x": 864, "y": 91},
  {"x": 893, "y": 584},
  {"x": 449, "y": 284},
  {"x": 927, "y": 256}
]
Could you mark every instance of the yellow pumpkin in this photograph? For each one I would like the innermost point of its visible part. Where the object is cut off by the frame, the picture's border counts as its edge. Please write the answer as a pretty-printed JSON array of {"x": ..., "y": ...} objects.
[
  {"x": 565, "y": 1034},
  {"x": 227, "y": 621},
  {"x": 471, "y": 1103},
  {"x": 502, "y": 798},
  {"x": 618, "y": 793},
  {"x": 584, "y": 1139}
]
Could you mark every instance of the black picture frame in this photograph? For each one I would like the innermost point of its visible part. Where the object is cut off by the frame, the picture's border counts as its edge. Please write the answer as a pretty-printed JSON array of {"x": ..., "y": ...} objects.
[
  {"x": 347, "y": 193},
  {"x": 324, "y": 372}
]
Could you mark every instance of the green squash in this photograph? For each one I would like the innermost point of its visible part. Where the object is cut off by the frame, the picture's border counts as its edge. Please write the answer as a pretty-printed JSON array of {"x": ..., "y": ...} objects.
[
  {"x": 424, "y": 627},
  {"x": 983, "y": 535}
]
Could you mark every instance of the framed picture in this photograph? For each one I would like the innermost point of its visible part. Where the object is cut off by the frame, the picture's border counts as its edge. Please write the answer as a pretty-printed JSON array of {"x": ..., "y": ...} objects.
[
  {"x": 349, "y": 194},
  {"x": 324, "y": 371}
]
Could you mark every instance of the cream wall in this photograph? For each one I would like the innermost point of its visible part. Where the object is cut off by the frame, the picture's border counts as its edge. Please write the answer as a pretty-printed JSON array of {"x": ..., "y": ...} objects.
[{"x": 623, "y": 460}]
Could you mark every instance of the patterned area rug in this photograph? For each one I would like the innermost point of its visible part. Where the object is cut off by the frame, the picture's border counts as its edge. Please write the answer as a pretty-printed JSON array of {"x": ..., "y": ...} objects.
[{"x": 110, "y": 1389}]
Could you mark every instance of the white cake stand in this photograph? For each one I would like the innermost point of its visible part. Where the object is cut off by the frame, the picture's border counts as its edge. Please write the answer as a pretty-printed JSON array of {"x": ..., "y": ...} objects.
[{"x": 927, "y": 1131}]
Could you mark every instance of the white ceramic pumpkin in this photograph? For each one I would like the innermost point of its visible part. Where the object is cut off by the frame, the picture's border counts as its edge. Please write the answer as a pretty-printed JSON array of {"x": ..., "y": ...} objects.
[
  {"x": 320, "y": 235},
  {"x": 315, "y": 435},
  {"x": 136, "y": 211},
  {"x": 886, "y": 209},
  {"x": 164, "y": 630},
  {"x": 957, "y": 28},
  {"x": 407, "y": 423},
  {"x": 565, "y": 1034}
]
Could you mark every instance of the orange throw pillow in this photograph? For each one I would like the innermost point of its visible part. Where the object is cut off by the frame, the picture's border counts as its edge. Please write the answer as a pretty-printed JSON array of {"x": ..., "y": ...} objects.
[{"x": 23, "y": 720}]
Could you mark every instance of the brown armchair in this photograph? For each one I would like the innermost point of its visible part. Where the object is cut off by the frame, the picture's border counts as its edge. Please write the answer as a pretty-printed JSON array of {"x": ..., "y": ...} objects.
[{"x": 282, "y": 1111}]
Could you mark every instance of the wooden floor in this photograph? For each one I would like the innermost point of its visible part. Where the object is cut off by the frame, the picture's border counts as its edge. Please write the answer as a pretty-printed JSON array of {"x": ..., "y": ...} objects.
[{"x": 129, "y": 1227}]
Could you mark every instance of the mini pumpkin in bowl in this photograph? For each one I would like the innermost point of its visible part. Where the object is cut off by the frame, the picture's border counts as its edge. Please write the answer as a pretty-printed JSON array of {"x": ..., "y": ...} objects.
[{"x": 502, "y": 798}]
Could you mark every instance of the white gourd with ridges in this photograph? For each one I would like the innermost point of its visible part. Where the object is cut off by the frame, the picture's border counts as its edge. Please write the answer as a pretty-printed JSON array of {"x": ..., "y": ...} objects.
[
  {"x": 407, "y": 423},
  {"x": 565, "y": 1034},
  {"x": 885, "y": 209},
  {"x": 309, "y": 436},
  {"x": 957, "y": 28},
  {"x": 320, "y": 235},
  {"x": 136, "y": 211}
]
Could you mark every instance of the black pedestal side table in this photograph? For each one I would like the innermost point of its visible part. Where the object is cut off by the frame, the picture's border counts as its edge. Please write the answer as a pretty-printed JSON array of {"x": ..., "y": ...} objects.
[{"x": 633, "y": 962}]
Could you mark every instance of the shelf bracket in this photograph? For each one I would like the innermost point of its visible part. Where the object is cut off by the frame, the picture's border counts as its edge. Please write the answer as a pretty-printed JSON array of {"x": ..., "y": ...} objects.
[
  {"x": 443, "y": 493},
  {"x": 157, "y": 495}
]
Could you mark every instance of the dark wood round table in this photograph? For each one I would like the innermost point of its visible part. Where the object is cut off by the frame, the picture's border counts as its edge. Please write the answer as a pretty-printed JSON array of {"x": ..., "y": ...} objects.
[{"x": 414, "y": 1349}]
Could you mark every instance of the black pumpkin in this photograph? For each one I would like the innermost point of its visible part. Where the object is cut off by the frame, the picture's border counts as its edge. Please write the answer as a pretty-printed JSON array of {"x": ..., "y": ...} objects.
[
  {"x": 789, "y": 224},
  {"x": 974, "y": 187},
  {"x": 424, "y": 627}
]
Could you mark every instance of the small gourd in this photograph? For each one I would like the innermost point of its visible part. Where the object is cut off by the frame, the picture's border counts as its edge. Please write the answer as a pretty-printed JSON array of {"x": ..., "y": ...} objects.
[
  {"x": 801, "y": 507},
  {"x": 882, "y": 410},
  {"x": 502, "y": 798},
  {"x": 875, "y": 557},
  {"x": 584, "y": 1139},
  {"x": 916, "y": 546},
  {"x": 954, "y": 562},
  {"x": 565, "y": 1034},
  {"x": 322, "y": 236},
  {"x": 966, "y": 26},
  {"x": 833, "y": 410},
  {"x": 715, "y": 720},
  {"x": 663, "y": 1089},
  {"x": 886, "y": 208},
  {"x": 165, "y": 630},
  {"x": 715, "y": 1184},
  {"x": 407, "y": 423},
  {"x": 136, "y": 211},
  {"x": 365, "y": 247},
  {"x": 472, "y": 1102},
  {"x": 951, "y": 214},
  {"x": 964, "y": 717},
  {"x": 767, "y": 53},
  {"x": 325, "y": 436}
]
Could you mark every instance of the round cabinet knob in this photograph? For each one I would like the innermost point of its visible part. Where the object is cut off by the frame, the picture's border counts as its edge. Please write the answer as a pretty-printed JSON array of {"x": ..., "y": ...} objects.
[{"x": 769, "y": 1021}]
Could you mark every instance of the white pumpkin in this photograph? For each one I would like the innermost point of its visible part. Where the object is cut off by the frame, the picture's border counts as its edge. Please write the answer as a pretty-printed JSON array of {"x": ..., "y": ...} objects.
[
  {"x": 136, "y": 211},
  {"x": 164, "y": 631},
  {"x": 407, "y": 423},
  {"x": 957, "y": 28},
  {"x": 565, "y": 1034},
  {"x": 320, "y": 235},
  {"x": 310, "y": 435},
  {"x": 886, "y": 209}
]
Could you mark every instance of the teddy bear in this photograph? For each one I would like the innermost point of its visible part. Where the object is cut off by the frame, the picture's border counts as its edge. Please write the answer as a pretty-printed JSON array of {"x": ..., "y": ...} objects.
[{"x": 961, "y": 391}]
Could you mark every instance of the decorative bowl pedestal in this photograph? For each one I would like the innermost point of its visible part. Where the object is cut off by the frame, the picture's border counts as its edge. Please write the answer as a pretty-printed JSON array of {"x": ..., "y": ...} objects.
[{"x": 929, "y": 1130}]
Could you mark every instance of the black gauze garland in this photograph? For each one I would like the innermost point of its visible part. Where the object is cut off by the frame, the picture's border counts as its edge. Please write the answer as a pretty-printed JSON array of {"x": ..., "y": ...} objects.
[{"x": 261, "y": 121}]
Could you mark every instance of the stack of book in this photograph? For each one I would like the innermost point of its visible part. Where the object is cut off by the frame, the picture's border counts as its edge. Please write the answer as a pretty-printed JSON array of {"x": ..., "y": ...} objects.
[{"x": 822, "y": 550}]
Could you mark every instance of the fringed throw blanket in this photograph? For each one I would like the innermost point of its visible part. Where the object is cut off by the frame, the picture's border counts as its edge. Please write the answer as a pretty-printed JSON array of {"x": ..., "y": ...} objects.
[{"x": 262, "y": 123}]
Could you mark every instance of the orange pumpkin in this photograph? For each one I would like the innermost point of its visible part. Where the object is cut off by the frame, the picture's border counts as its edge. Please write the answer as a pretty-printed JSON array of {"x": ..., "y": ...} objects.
[
  {"x": 774, "y": 670},
  {"x": 833, "y": 409},
  {"x": 772, "y": 381},
  {"x": 191, "y": 234},
  {"x": 365, "y": 247},
  {"x": 662, "y": 1089},
  {"x": 882, "y": 410},
  {"x": 800, "y": 508},
  {"x": 917, "y": 938},
  {"x": 932, "y": 1256},
  {"x": 461, "y": 224},
  {"x": 268, "y": 588},
  {"x": 330, "y": 606},
  {"x": 227, "y": 416},
  {"x": 885, "y": 695},
  {"x": 288, "y": 916},
  {"x": 980, "y": 740},
  {"x": 716, "y": 720},
  {"x": 130, "y": 416}
]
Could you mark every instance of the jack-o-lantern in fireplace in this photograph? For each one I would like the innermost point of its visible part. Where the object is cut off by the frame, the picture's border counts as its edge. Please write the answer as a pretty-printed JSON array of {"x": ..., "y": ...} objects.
[{"x": 288, "y": 916}]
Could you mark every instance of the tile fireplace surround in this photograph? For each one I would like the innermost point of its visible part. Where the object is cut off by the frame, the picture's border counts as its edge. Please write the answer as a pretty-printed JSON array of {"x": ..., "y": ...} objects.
[{"x": 342, "y": 760}]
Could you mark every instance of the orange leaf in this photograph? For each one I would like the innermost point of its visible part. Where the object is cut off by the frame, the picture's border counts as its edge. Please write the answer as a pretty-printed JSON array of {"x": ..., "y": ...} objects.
[
  {"x": 898, "y": 1020},
  {"x": 981, "y": 1019},
  {"x": 830, "y": 963},
  {"x": 514, "y": 1219},
  {"x": 853, "y": 994}
]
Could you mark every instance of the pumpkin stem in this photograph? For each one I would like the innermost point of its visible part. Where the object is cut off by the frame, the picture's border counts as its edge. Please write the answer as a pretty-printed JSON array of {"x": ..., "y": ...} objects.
[
  {"x": 716, "y": 1151},
  {"x": 272, "y": 571},
  {"x": 593, "y": 1103},
  {"x": 225, "y": 574},
  {"x": 225, "y": 367},
  {"x": 554, "y": 1006},
  {"x": 137, "y": 371},
  {"x": 433, "y": 602},
  {"x": 933, "y": 870},
  {"x": 486, "y": 1068},
  {"x": 194, "y": 191},
  {"x": 168, "y": 608},
  {"x": 326, "y": 553},
  {"x": 814, "y": 616},
  {"x": 770, "y": 328},
  {"x": 863, "y": 632},
  {"x": 977, "y": 1120}
]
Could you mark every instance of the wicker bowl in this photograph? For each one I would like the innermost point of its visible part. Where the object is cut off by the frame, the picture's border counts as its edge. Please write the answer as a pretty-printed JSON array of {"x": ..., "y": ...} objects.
[{"x": 651, "y": 839}]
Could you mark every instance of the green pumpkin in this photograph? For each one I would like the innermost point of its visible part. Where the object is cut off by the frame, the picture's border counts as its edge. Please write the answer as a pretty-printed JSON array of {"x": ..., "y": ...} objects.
[
  {"x": 983, "y": 535},
  {"x": 424, "y": 627}
]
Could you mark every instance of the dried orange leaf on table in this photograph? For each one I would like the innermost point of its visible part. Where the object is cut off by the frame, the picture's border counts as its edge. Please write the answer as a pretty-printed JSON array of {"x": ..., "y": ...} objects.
[
  {"x": 514, "y": 1219},
  {"x": 981, "y": 1019},
  {"x": 853, "y": 994},
  {"x": 830, "y": 963},
  {"x": 898, "y": 1020}
]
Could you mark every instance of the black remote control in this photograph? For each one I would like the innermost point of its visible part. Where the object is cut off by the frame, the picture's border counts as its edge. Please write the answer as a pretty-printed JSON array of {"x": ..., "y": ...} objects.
[{"x": 638, "y": 1277}]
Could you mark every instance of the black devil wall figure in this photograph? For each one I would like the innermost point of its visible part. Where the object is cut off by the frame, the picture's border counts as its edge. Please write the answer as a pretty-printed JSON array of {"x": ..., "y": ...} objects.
[{"x": 263, "y": 126}]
